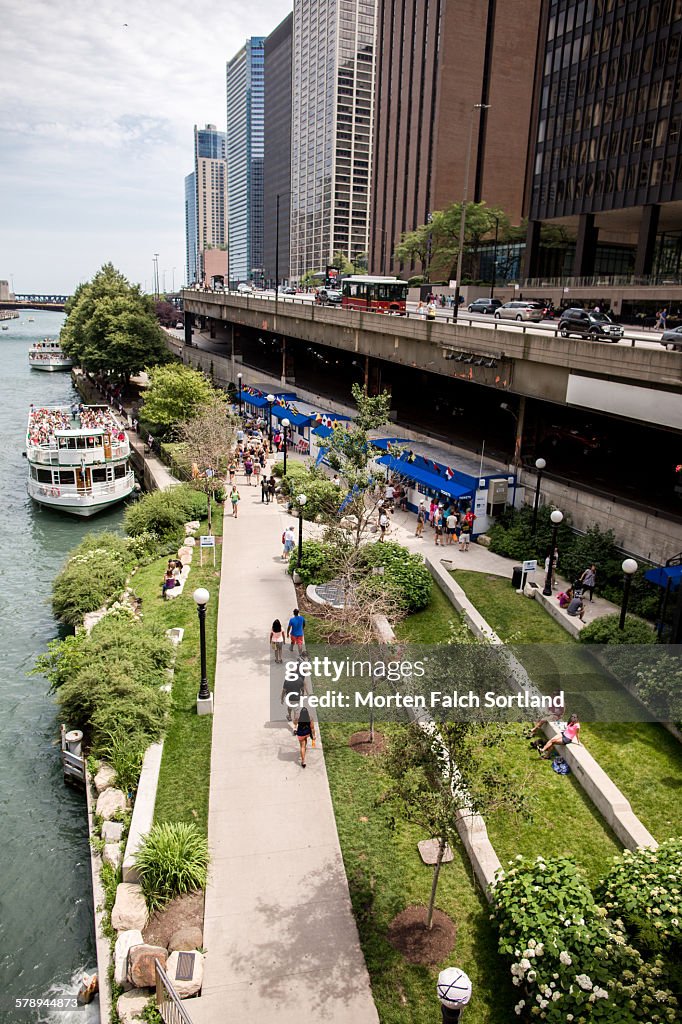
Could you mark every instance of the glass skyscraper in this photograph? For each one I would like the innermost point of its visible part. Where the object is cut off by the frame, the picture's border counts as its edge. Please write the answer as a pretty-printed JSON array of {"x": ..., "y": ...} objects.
[
  {"x": 332, "y": 125},
  {"x": 245, "y": 121},
  {"x": 191, "y": 241}
]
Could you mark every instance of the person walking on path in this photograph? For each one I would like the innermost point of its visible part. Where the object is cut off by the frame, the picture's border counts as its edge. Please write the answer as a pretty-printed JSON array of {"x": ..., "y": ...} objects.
[
  {"x": 293, "y": 690},
  {"x": 289, "y": 542},
  {"x": 438, "y": 526},
  {"x": 256, "y": 470},
  {"x": 383, "y": 524},
  {"x": 662, "y": 318},
  {"x": 296, "y": 630},
  {"x": 305, "y": 729},
  {"x": 272, "y": 488},
  {"x": 451, "y": 524},
  {"x": 589, "y": 580},
  {"x": 264, "y": 491},
  {"x": 421, "y": 519},
  {"x": 248, "y": 469},
  {"x": 277, "y": 640},
  {"x": 235, "y": 499}
]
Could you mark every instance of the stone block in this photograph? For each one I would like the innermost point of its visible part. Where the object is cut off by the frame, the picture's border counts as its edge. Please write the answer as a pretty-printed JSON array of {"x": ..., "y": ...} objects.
[
  {"x": 185, "y": 989},
  {"x": 112, "y": 831},
  {"x": 186, "y": 938},
  {"x": 141, "y": 959},
  {"x": 124, "y": 943},
  {"x": 428, "y": 851},
  {"x": 109, "y": 802},
  {"x": 175, "y": 635},
  {"x": 131, "y": 1004},
  {"x": 130, "y": 909},
  {"x": 105, "y": 778},
  {"x": 484, "y": 540},
  {"x": 192, "y": 527},
  {"x": 190, "y": 542},
  {"x": 112, "y": 855}
]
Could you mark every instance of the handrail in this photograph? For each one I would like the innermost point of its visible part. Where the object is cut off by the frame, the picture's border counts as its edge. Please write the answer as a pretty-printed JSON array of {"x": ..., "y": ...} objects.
[{"x": 168, "y": 1002}]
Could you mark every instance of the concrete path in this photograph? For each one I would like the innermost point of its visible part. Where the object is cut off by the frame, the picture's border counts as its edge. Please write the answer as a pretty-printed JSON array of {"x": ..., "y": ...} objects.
[{"x": 279, "y": 931}]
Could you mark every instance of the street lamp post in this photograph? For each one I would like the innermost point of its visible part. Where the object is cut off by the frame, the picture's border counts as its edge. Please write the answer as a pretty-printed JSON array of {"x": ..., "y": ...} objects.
[
  {"x": 201, "y": 597},
  {"x": 285, "y": 430},
  {"x": 301, "y": 502},
  {"x": 539, "y": 465},
  {"x": 557, "y": 518},
  {"x": 239, "y": 391},
  {"x": 454, "y": 992},
  {"x": 629, "y": 568},
  {"x": 270, "y": 400},
  {"x": 462, "y": 220}
]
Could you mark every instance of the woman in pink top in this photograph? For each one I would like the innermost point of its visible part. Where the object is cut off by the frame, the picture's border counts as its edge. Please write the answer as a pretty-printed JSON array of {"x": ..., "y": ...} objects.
[{"x": 571, "y": 734}]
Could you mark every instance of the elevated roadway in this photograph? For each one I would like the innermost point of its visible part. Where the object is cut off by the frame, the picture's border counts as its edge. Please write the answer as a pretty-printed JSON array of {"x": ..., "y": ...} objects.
[{"x": 640, "y": 381}]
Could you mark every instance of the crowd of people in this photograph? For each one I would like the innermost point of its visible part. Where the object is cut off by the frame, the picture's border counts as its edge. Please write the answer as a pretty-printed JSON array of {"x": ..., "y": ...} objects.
[{"x": 43, "y": 422}]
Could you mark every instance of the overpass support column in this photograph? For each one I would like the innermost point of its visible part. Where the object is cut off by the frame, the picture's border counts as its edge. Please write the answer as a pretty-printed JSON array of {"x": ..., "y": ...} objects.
[
  {"x": 284, "y": 357},
  {"x": 189, "y": 320},
  {"x": 585, "y": 246},
  {"x": 367, "y": 374},
  {"x": 646, "y": 243}
]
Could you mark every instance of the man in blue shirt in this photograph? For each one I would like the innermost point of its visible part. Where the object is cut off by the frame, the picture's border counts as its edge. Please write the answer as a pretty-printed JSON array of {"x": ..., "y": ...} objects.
[{"x": 295, "y": 630}]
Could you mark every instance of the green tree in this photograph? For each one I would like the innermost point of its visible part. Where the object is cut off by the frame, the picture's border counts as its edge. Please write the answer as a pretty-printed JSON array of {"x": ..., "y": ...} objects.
[
  {"x": 436, "y": 243},
  {"x": 111, "y": 326},
  {"x": 176, "y": 394},
  {"x": 207, "y": 439}
]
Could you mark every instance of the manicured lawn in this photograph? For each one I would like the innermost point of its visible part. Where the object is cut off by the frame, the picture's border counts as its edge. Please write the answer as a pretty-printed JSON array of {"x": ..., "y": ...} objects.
[
  {"x": 430, "y": 626},
  {"x": 642, "y": 759},
  {"x": 185, "y": 768},
  {"x": 385, "y": 875}
]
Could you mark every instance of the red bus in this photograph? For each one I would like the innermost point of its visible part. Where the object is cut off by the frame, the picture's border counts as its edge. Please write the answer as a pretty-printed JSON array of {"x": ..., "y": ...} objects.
[{"x": 375, "y": 294}]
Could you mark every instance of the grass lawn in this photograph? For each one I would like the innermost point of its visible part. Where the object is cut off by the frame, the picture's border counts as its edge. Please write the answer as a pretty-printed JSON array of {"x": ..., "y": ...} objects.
[
  {"x": 185, "y": 768},
  {"x": 642, "y": 759},
  {"x": 385, "y": 875}
]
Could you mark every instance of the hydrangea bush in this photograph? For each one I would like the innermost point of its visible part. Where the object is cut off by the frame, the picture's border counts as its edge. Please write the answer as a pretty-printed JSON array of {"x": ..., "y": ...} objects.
[{"x": 570, "y": 961}]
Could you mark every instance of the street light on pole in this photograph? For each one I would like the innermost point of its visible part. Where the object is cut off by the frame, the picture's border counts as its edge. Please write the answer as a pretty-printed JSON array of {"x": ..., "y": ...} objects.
[
  {"x": 557, "y": 518},
  {"x": 270, "y": 400},
  {"x": 239, "y": 391},
  {"x": 301, "y": 499},
  {"x": 454, "y": 992},
  {"x": 156, "y": 275},
  {"x": 285, "y": 423},
  {"x": 629, "y": 568},
  {"x": 462, "y": 221},
  {"x": 201, "y": 597},
  {"x": 539, "y": 465}
]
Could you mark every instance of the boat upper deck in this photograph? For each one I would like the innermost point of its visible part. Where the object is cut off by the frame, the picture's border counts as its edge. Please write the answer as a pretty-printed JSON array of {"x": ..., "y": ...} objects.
[
  {"x": 81, "y": 427},
  {"x": 46, "y": 345}
]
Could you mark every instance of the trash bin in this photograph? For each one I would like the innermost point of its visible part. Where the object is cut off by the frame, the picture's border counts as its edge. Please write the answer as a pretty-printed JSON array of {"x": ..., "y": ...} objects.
[{"x": 517, "y": 576}]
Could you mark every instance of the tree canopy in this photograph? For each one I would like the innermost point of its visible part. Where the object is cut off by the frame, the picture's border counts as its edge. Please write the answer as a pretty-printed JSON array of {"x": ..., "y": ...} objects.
[
  {"x": 436, "y": 243},
  {"x": 176, "y": 394},
  {"x": 111, "y": 326}
]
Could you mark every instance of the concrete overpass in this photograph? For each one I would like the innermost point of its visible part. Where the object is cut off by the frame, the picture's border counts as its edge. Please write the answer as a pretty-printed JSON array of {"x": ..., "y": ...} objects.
[
  {"x": 640, "y": 383},
  {"x": 51, "y": 302}
]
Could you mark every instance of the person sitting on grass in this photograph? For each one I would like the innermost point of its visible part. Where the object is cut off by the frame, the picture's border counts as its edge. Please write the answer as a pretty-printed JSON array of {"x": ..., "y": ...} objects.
[
  {"x": 169, "y": 581},
  {"x": 571, "y": 734}
]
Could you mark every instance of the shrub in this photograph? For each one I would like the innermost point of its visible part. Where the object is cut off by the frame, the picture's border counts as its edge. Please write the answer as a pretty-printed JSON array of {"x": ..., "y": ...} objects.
[
  {"x": 605, "y": 630},
  {"x": 319, "y": 563},
  {"x": 405, "y": 574},
  {"x": 163, "y": 513},
  {"x": 94, "y": 574},
  {"x": 124, "y": 751},
  {"x": 172, "y": 859}
]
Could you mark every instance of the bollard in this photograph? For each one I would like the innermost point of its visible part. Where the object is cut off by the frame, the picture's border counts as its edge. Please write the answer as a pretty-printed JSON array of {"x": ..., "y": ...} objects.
[{"x": 73, "y": 741}]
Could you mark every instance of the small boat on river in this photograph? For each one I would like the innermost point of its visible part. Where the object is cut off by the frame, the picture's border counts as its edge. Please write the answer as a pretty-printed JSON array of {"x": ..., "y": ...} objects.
[
  {"x": 78, "y": 458},
  {"x": 47, "y": 355}
]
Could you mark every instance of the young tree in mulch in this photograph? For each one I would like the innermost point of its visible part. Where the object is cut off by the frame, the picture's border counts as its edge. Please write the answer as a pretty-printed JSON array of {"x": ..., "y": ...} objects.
[
  {"x": 436, "y": 779},
  {"x": 207, "y": 440}
]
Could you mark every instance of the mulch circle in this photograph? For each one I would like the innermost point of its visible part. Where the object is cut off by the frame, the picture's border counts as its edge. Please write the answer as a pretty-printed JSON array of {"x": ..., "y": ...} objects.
[
  {"x": 407, "y": 933},
  {"x": 183, "y": 912},
  {"x": 360, "y": 743}
]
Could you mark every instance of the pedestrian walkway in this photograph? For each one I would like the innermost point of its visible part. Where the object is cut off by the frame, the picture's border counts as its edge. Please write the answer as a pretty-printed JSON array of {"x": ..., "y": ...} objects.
[
  {"x": 154, "y": 467},
  {"x": 281, "y": 940}
]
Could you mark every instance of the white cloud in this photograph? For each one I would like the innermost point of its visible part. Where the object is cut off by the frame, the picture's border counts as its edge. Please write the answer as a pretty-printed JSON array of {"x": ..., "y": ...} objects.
[{"x": 97, "y": 116}]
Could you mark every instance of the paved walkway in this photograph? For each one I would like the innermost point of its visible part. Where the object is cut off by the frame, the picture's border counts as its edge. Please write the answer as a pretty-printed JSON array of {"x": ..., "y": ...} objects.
[{"x": 281, "y": 939}]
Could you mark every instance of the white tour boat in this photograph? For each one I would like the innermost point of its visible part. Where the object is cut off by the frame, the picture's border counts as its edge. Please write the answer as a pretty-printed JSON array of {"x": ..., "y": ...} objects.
[
  {"x": 48, "y": 355},
  {"x": 78, "y": 458}
]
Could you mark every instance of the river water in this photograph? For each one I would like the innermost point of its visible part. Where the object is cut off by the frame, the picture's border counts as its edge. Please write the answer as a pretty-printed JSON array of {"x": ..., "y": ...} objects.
[{"x": 46, "y": 922}]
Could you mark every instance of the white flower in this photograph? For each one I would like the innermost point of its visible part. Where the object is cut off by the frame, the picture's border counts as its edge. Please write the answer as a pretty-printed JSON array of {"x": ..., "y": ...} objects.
[
  {"x": 519, "y": 1006},
  {"x": 543, "y": 1004},
  {"x": 600, "y": 993},
  {"x": 567, "y": 922},
  {"x": 516, "y": 981},
  {"x": 584, "y": 981},
  {"x": 569, "y": 1016},
  {"x": 539, "y": 949},
  {"x": 565, "y": 958},
  {"x": 524, "y": 964},
  {"x": 532, "y": 943},
  {"x": 531, "y": 976},
  {"x": 556, "y": 996}
]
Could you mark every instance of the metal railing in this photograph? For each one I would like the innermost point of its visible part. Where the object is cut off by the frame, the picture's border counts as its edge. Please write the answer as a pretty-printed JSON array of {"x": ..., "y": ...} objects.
[
  {"x": 51, "y": 455},
  {"x": 604, "y": 281},
  {"x": 168, "y": 1002}
]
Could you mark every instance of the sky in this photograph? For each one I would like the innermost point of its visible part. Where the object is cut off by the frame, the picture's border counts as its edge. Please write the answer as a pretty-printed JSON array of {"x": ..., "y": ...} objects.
[{"x": 96, "y": 130}]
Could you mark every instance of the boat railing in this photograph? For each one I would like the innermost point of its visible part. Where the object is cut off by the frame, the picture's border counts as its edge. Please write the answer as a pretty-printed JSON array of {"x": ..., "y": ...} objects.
[
  {"x": 122, "y": 485},
  {"x": 53, "y": 456}
]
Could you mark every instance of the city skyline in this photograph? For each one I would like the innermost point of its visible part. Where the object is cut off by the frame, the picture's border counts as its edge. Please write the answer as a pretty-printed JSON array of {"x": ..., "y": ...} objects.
[{"x": 98, "y": 108}]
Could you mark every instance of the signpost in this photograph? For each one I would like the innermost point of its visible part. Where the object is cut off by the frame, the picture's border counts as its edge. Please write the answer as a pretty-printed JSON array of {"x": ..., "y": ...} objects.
[
  {"x": 206, "y": 542},
  {"x": 530, "y": 565}
]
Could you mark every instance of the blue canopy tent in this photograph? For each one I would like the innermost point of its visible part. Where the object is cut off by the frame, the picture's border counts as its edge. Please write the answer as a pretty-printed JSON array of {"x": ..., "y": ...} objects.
[
  {"x": 280, "y": 412},
  {"x": 434, "y": 481},
  {"x": 669, "y": 618}
]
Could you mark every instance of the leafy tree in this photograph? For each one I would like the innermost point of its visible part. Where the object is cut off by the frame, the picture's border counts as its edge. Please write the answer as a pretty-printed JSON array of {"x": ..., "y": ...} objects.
[
  {"x": 111, "y": 326},
  {"x": 207, "y": 439},
  {"x": 606, "y": 630},
  {"x": 436, "y": 244},
  {"x": 166, "y": 313},
  {"x": 176, "y": 394}
]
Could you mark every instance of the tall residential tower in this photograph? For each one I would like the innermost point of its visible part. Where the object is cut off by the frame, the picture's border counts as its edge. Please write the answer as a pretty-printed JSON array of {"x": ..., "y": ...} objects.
[
  {"x": 332, "y": 122},
  {"x": 205, "y": 201},
  {"x": 245, "y": 112}
]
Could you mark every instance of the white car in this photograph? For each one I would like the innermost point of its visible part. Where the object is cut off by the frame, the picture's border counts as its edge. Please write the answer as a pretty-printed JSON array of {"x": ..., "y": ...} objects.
[
  {"x": 245, "y": 289},
  {"x": 179, "y": 325}
]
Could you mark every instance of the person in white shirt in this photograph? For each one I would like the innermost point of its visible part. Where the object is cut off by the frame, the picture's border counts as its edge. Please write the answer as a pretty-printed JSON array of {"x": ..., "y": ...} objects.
[{"x": 383, "y": 524}]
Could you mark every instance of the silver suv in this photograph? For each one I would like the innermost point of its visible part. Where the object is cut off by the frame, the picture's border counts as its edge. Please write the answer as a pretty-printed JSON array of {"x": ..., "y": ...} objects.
[{"x": 520, "y": 310}]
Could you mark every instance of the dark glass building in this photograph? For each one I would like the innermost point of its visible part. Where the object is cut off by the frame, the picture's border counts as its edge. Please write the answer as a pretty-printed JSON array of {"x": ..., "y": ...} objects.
[
  {"x": 277, "y": 160},
  {"x": 605, "y": 163}
]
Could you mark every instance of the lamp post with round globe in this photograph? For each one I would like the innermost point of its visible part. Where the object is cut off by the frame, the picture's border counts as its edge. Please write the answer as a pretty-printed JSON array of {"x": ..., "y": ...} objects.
[
  {"x": 285, "y": 424},
  {"x": 239, "y": 391},
  {"x": 301, "y": 499},
  {"x": 629, "y": 568},
  {"x": 201, "y": 598},
  {"x": 454, "y": 992},
  {"x": 539, "y": 465},
  {"x": 557, "y": 518},
  {"x": 270, "y": 400}
]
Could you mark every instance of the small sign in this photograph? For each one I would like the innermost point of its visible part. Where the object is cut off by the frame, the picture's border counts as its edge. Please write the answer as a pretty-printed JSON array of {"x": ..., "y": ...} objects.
[
  {"x": 530, "y": 565},
  {"x": 452, "y": 284},
  {"x": 207, "y": 542}
]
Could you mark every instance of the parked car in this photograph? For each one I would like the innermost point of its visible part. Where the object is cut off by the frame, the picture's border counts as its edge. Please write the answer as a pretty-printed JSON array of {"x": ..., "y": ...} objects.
[
  {"x": 328, "y": 297},
  {"x": 597, "y": 326},
  {"x": 244, "y": 289},
  {"x": 484, "y": 305},
  {"x": 288, "y": 290},
  {"x": 520, "y": 310},
  {"x": 179, "y": 325},
  {"x": 672, "y": 339}
]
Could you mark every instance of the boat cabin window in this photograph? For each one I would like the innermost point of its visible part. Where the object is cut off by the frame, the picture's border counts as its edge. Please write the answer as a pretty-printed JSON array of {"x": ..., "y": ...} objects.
[
  {"x": 66, "y": 477},
  {"x": 99, "y": 476},
  {"x": 44, "y": 476},
  {"x": 79, "y": 443},
  {"x": 119, "y": 471}
]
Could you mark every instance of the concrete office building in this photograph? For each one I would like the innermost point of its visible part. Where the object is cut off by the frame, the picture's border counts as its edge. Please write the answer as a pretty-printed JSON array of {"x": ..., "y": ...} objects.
[
  {"x": 332, "y": 124},
  {"x": 277, "y": 153},
  {"x": 205, "y": 200},
  {"x": 435, "y": 60},
  {"x": 606, "y": 162},
  {"x": 245, "y": 127}
]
